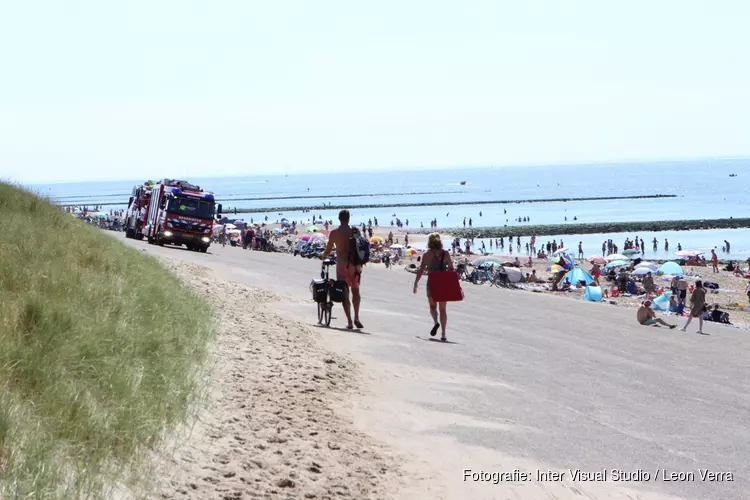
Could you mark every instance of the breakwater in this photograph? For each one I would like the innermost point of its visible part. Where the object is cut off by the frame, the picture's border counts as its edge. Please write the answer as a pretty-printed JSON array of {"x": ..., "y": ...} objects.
[
  {"x": 241, "y": 210},
  {"x": 595, "y": 228},
  {"x": 75, "y": 200}
]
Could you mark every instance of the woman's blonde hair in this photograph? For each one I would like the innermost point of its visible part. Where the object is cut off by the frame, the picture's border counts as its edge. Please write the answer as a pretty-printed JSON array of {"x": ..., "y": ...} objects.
[{"x": 434, "y": 242}]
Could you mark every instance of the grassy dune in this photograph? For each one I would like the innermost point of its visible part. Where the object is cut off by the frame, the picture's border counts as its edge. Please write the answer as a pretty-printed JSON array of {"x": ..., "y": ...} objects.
[{"x": 99, "y": 352}]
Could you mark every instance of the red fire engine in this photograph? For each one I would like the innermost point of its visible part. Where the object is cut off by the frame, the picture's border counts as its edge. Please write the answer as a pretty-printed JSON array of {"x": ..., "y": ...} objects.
[{"x": 180, "y": 213}]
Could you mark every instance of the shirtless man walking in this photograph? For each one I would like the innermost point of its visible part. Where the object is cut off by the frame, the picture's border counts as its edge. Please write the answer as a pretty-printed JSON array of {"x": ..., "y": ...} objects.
[{"x": 345, "y": 271}]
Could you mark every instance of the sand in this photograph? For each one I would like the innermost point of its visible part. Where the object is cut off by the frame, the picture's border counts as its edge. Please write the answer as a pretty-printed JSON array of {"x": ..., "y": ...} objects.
[{"x": 268, "y": 428}]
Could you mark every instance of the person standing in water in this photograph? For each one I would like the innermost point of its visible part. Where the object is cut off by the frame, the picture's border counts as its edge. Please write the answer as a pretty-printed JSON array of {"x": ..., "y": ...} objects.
[{"x": 436, "y": 259}]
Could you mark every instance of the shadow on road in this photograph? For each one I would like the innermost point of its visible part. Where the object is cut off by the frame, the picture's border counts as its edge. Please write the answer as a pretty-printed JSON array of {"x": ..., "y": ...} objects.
[
  {"x": 436, "y": 340},
  {"x": 342, "y": 329}
]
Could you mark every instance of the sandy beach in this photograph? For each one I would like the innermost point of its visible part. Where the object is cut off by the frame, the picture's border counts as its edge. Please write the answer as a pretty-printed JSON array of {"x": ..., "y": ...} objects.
[{"x": 268, "y": 427}]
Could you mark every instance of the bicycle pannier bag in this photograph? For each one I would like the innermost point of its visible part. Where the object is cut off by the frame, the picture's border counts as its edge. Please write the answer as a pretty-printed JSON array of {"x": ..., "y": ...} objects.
[
  {"x": 338, "y": 291},
  {"x": 318, "y": 288}
]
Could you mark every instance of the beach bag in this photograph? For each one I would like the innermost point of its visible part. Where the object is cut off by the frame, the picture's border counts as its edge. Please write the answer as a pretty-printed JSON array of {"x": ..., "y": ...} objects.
[
  {"x": 359, "y": 248},
  {"x": 444, "y": 285},
  {"x": 318, "y": 288},
  {"x": 338, "y": 291}
]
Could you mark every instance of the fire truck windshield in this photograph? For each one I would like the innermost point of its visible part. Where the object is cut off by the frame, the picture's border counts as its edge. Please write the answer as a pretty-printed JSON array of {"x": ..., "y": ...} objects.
[{"x": 191, "y": 207}]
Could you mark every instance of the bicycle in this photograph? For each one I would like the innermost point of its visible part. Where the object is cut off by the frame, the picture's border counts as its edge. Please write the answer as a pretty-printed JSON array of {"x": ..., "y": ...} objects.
[
  {"x": 326, "y": 291},
  {"x": 480, "y": 276}
]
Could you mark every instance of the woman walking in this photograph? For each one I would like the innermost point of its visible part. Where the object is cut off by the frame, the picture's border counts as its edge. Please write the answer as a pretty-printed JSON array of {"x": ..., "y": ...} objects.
[
  {"x": 697, "y": 303},
  {"x": 436, "y": 259}
]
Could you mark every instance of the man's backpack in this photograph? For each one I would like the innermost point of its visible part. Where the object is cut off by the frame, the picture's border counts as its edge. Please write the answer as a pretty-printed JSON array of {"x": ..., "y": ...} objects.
[{"x": 359, "y": 248}]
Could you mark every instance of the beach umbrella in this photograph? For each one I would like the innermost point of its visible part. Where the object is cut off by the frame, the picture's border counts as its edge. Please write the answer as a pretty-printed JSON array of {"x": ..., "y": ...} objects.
[
  {"x": 617, "y": 263},
  {"x": 230, "y": 226},
  {"x": 397, "y": 246},
  {"x": 630, "y": 251},
  {"x": 317, "y": 237},
  {"x": 688, "y": 253},
  {"x": 304, "y": 237},
  {"x": 671, "y": 268},
  {"x": 560, "y": 251},
  {"x": 642, "y": 271},
  {"x": 376, "y": 239},
  {"x": 648, "y": 265},
  {"x": 276, "y": 230},
  {"x": 514, "y": 274},
  {"x": 597, "y": 259},
  {"x": 483, "y": 260},
  {"x": 555, "y": 269},
  {"x": 616, "y": 256},
  {"x": 411, "y": 252},
  {"x": 100, "y": 215},
  {"x": 312, "y": 229}
]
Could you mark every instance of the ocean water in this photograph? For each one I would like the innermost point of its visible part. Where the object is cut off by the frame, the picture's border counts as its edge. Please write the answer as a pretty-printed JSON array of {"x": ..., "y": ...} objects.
[{"x": 703, "y": 189}]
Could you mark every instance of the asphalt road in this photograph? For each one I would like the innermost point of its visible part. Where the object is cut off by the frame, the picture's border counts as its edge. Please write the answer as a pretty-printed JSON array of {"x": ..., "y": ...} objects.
[{"x": 582, "y": 385}]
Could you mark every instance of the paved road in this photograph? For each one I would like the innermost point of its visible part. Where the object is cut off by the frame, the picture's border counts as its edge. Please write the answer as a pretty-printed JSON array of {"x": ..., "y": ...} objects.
[{"x": 570, "y": 385}]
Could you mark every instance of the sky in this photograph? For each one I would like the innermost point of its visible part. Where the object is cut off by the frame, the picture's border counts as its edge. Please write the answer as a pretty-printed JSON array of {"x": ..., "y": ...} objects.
[{"x": 94, "y": 90}]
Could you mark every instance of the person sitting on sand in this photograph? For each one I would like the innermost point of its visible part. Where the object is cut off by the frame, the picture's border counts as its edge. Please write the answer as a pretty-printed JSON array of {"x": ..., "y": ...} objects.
[
  {"x": 566, "y": 285},
  {"x": 517, "y": 263},
  {"x": 647, "y": 317}
]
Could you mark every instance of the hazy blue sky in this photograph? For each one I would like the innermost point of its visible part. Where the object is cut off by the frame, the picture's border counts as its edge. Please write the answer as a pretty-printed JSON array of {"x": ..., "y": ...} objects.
[{"x": 149, "y": 88}]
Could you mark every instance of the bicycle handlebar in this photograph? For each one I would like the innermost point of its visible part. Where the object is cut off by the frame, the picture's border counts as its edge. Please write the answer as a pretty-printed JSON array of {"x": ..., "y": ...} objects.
[{"x": 328, "y": 262}]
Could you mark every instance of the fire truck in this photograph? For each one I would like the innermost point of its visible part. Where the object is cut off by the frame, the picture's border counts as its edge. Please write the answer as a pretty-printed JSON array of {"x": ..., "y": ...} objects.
[
  {"x": 137, "y": 212},
  {"x": 180, "y": 213}
]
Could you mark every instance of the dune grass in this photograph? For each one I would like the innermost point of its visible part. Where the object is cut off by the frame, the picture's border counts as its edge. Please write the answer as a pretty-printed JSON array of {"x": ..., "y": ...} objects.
[{"x": 99, "y": 351}]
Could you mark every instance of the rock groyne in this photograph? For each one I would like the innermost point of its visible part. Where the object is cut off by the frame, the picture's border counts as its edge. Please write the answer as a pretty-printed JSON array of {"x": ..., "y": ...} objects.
[
  {"x": 601, "y": 227},
  {"x": 241, "y": 210}
]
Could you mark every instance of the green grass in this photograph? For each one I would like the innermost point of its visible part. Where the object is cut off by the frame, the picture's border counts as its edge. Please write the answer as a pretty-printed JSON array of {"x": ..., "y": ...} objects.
[{"x": 100, "y": 348}]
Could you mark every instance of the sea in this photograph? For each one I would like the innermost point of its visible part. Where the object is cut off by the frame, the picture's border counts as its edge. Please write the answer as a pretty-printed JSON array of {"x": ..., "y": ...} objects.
[{"x": 703, "y": 189}]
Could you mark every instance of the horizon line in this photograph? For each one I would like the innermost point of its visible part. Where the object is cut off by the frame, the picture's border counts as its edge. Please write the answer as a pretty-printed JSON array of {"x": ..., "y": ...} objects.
[{"x": 603, "y": 163}]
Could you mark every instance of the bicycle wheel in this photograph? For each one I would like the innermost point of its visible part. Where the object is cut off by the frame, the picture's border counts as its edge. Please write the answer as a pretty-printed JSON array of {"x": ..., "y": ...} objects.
[
  {"x": 321, "y": 307},
  {"x": 327, "y": 313}
]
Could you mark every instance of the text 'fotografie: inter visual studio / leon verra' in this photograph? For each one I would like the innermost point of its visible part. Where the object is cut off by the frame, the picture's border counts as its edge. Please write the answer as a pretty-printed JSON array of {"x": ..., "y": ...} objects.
[{"x": 617, "y": 475}]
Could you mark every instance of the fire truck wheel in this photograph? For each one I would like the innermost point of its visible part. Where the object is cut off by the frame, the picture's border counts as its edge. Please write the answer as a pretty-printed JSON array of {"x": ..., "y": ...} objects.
[
  {"x": 139, "y": 236},
  {"x": 204, "y": 249},
  {"x": 129, "y": 233}
]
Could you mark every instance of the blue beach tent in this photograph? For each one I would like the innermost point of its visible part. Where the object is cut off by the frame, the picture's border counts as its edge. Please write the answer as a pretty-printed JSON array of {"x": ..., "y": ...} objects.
[
  {"x": 593, "y": 294},
  {"x": 671, "y": 268},
  {"x": 661, "y": 303},
  {"x": 577, "y": 274}
]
